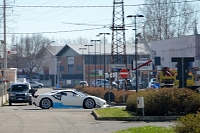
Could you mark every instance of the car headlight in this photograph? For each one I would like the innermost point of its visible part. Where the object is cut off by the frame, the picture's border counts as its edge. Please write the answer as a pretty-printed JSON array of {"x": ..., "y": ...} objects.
[{"x": 12, "y": 94}]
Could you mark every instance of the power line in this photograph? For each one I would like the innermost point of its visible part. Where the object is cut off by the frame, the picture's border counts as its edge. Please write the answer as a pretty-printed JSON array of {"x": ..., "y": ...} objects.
[
  {"x": 99, "y": 25},
  {"x": 56, "y": 31},
  {"x": 96, "y": 6}
]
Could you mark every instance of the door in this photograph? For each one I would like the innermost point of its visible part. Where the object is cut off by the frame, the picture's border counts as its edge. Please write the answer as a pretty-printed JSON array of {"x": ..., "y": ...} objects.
[{"x": 70, "y": 99}]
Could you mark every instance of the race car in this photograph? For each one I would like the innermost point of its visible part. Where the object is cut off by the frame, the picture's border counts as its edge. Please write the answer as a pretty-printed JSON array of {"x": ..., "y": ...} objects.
[{"x": 67, "y": 99}]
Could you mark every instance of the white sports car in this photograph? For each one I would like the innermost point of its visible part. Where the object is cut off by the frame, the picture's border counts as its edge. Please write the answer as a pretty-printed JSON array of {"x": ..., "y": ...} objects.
[{"x": 67, "y": 99}]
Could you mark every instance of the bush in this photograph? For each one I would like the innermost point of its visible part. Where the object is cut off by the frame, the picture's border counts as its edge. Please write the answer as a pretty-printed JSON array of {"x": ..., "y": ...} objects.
[
  {"x": 165, "y": 101},
  {"x": 120, "y": 95},
  {"x": 188, "y": 124}
]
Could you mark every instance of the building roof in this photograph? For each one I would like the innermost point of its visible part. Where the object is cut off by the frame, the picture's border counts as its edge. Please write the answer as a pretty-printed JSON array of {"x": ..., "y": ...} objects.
[
  {"x": 54, "y": 49},
  {"x": 100, "y": 49}
]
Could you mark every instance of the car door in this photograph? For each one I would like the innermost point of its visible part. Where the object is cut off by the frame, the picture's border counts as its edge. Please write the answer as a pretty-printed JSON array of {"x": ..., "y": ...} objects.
[{"x": 69, "y": 98}]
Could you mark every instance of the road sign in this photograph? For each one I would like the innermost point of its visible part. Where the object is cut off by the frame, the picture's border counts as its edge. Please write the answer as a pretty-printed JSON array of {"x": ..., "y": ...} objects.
[
  {"x": 117, "y": 66},
  {"x": 123, "y": 73},
  {"x": 12, "y": 52}
]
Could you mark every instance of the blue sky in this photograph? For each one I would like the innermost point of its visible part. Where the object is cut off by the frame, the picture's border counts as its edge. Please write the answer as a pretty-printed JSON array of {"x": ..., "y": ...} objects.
[{"x": 48, "y": 19}]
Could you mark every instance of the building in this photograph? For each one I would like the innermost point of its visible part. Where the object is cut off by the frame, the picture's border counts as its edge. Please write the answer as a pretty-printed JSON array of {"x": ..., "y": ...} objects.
[
  {"x": 77, "y": 64},
  {"x": 186, "y": 46}
]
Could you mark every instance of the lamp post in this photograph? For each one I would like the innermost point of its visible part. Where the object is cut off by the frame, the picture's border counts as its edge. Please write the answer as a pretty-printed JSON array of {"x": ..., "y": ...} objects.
[
  {"x": 58, "y": 69},
  {"x": 17, "y": 56},
  {"x": 95, "y": 59},
  {"x": 136, "y": 71},
  {"x": 83, "y": 63},
  {"x": 5, "y": 42},
  {"x": 104, "y": 55},
  {"x": 89, "y": 45}
]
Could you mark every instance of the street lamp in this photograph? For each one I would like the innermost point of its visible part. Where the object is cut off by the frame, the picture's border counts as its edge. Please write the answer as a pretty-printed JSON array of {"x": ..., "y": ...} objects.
[
  {"x": 136, "y": 71},
  {"x": 17, "y": 55},
  {"x": 95, "y": 58},
  {"x": 89, "y": 45},
  {"x": 104, "y": 55},
  {"x": 58, "y": 70},
  {"x": 83, "y": 63}
]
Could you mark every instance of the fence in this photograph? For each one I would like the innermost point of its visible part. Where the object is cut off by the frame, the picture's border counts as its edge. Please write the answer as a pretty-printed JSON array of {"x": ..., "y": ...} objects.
[{"x": 3, "y": 92}]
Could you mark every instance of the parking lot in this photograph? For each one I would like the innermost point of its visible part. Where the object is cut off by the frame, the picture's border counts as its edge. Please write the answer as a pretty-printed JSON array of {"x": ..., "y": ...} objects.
[{"x": 22, "y": 118}]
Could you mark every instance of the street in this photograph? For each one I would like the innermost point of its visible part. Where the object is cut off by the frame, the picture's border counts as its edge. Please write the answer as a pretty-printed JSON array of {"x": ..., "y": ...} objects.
[{"x": 22, "y": 118}]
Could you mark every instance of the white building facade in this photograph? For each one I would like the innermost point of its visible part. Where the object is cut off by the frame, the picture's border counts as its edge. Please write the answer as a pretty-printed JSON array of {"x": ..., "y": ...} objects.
[{"x": 187, "y": 46}]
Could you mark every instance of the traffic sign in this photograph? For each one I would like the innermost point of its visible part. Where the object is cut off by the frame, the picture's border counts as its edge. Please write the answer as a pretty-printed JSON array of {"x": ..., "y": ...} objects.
[
  {"x": 123, "y": 73},
  {"x": 12, "y": 52}
]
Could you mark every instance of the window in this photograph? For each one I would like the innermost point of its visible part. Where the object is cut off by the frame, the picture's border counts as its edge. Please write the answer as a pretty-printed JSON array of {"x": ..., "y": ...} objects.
[
  {"x": 19, "y": 88},
  {"x": 61, "y": 68},
  {"x": 70, "y": 69},
  {"x": 70, "y": 93},
  {"x": 79, "y": 68}
]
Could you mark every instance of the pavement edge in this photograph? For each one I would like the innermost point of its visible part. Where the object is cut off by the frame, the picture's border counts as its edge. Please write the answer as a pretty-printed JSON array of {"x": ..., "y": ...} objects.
[{"x": 136, "y": 118}]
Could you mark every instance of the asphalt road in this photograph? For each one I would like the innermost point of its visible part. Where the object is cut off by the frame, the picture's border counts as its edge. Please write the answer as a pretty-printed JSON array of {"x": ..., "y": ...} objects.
[{"x": 22, "y": 118}]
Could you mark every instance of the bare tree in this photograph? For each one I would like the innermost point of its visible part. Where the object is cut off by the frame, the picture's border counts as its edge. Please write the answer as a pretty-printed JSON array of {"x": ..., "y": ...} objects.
[
  {"x": 167, "y": 19},
  {"x": 31, "y": 53},
  {"x": 79, "y": 40}
]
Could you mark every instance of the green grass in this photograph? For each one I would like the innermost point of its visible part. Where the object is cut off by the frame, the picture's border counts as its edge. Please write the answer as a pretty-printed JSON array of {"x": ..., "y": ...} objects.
[
  {"x": 147, "y": 129},
  {"x": 113, "y": 112},
  {"x": 121, "y": 112}
]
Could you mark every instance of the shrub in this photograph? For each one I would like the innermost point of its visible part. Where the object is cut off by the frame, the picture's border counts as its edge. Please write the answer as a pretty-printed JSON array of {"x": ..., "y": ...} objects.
[
  {"x": 120, "y": 95},
  {"x": 188, "y": 124},
  {"x": 165, "y": 101}
]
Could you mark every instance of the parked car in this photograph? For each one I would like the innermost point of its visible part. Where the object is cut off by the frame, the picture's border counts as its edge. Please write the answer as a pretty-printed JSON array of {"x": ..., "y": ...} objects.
[
  {"x": 128, "y": 84},
  {"x": 151, "y": 82},
  {"x": 104, "y": 82},
  {"x": 97, "y": 82},
  {"x": 155, "y": 85},
  {"x": 20, "y": 92},
  {"x": 67, "y": 99},
  {"x": 83, "y": 83},
  {"x": 114, "y": 84},
  {"x": 143, "y": 84},
  {"x": 36, "y": 84}
]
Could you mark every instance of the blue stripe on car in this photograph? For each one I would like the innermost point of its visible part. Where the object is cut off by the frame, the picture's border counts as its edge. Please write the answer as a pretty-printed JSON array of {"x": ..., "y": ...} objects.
[{"x": 60, "y": 105}]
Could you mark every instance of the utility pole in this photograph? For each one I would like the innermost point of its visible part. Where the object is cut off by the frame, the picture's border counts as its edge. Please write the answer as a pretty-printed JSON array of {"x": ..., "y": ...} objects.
[
  {"x": 95, "y": 59},
  {"x": 83, "y": 67},
  {"x": 5, "y": 49},
  {"x": 104, "y": 56},
  {"x": 88, "y": 63}
]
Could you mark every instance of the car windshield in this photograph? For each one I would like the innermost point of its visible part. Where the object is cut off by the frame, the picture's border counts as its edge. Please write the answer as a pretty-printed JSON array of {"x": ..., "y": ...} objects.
[
  {"x": 82, "y": 83},
  {"x": 19, "y": 88}
]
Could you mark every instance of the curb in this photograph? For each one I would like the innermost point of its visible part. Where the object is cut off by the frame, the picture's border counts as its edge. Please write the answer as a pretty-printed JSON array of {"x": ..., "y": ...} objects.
[{"x": 136, "y": 118}]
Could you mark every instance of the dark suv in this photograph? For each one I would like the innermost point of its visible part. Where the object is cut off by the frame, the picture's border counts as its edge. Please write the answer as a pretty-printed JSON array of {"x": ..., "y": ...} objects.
[{"x": 20, "y": 93}]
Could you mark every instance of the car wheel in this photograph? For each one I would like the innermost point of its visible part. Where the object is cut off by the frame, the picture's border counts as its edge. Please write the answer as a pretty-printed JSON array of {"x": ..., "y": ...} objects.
[
  {"x": 88, "y": 103},
  {"x": 10, "y": 104},
  {"x": 45, "y": 103},
  {"x": 39, "y": 86}
]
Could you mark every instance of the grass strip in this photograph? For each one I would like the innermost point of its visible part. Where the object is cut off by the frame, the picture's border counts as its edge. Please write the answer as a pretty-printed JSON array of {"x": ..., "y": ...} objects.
[{"x": 113, "y": 112}]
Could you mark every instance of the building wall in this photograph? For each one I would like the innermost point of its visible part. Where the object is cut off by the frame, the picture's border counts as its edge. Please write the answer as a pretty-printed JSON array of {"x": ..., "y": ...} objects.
[{"x": 188, "y": 46}]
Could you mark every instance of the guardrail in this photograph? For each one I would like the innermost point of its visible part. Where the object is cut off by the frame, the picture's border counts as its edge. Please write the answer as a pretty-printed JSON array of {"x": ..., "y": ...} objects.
[{"x": 3, "y": 92}]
